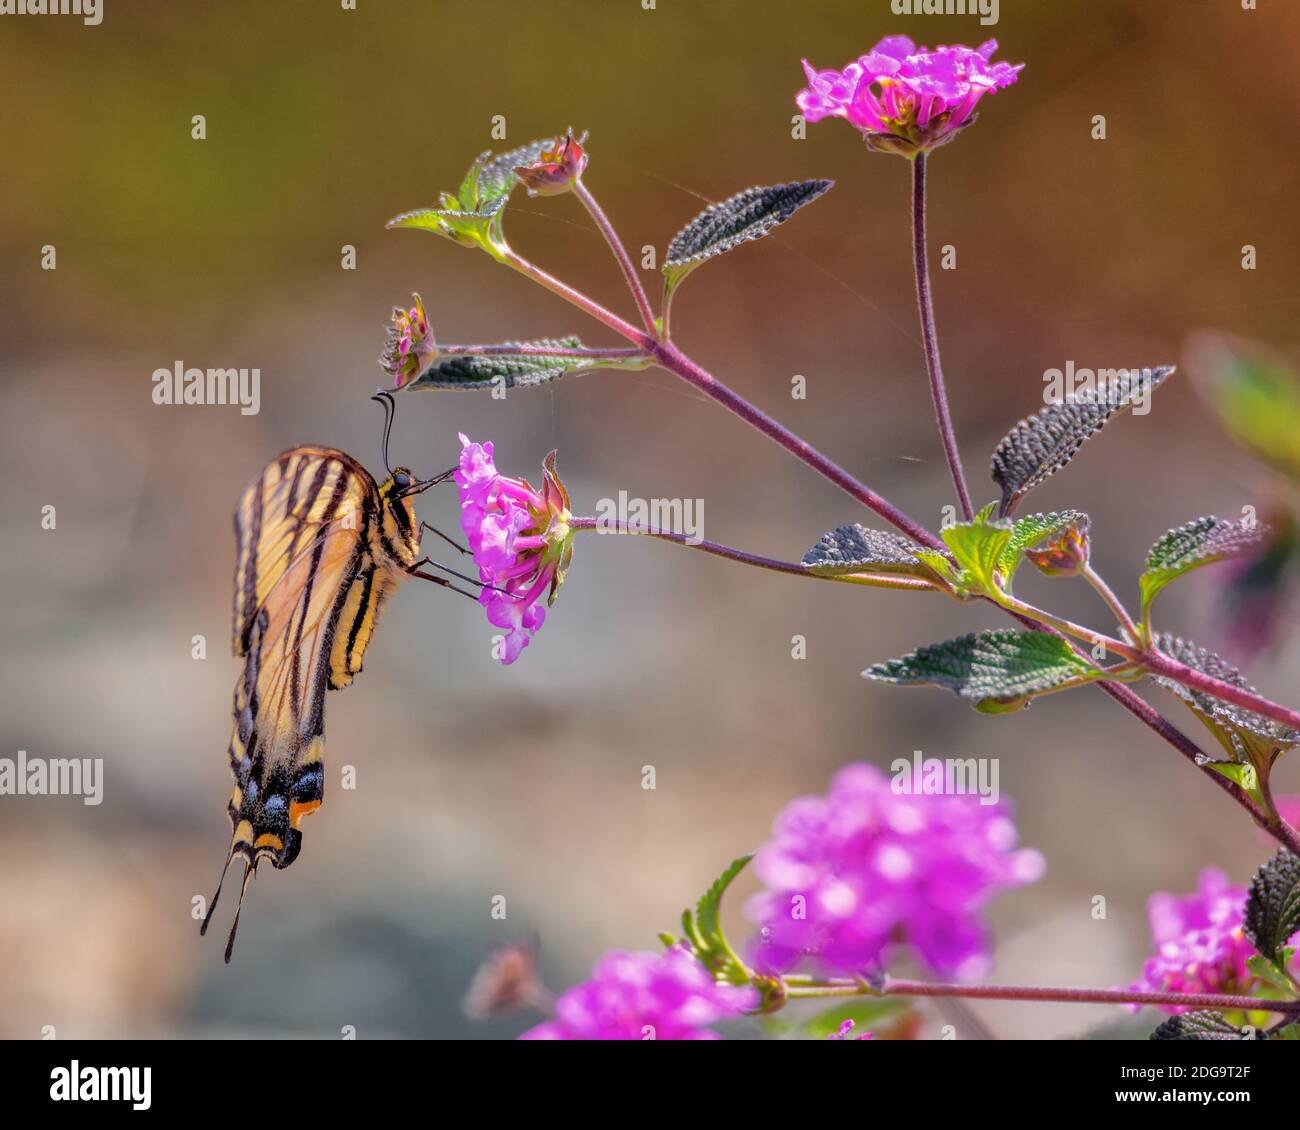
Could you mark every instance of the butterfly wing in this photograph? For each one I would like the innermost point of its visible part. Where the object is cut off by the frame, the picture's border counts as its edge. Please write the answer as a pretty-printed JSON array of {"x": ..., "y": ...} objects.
[{"x": 307, "y": 592}]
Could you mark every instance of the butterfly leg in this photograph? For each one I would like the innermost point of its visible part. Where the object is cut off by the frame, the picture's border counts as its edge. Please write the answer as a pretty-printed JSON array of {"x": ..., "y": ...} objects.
[
  {"x": 449, "y": 540},
  {"x": 416, "y": 571}
]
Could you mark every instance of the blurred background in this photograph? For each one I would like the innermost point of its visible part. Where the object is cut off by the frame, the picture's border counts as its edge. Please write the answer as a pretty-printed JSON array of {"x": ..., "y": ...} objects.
[{"x": 473, "y": 780}]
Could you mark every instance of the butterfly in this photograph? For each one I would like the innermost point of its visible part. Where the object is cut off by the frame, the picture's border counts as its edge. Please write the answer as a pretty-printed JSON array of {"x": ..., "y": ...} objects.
[{"x": 320, "y": 548}]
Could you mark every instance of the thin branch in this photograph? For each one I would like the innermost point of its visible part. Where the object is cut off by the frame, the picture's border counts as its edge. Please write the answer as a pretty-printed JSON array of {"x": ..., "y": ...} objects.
[
  {"x": 615, "y": 526},
  {"x": 524, "y": 349},
  {"x": 625, "y": 263},
  {"x": 925, "y": 304},
  {"x": 893, "y": 987}
]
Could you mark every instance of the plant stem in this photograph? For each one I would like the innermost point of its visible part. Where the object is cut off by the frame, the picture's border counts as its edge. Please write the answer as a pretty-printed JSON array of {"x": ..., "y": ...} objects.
[
  {"x": 893, "y": 987},
  {"x": 523, "y": 349},
  {"x": 611, "y": 525},
  {"x": 587, "y": 305},
  {"x": 1159, "y": 663},
  {"x": 1112, "y": 602},
  {"x": 625, "y": 263},
  {"x": 669, "y": 357},
  {"x": 925, "y": 304}
]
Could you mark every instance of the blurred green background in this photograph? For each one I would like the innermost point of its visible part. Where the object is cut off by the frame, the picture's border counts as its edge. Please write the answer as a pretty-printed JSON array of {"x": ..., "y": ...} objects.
[{"x": 474, "y": 780}]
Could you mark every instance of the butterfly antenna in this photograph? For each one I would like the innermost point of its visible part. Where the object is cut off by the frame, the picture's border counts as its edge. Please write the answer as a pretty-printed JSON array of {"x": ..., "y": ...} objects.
[
  {"x": 249, "y": 872},
  {"x": 385, "y": 398},
  {"x": 221, "y": 883}
]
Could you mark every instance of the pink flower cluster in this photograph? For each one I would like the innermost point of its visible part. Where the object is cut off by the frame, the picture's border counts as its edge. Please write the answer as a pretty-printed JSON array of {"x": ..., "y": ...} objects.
[
  {"x": 644, "y": 996},
  {"x": 904, "y": 99},
  {"x": 1201, "y": 946},
  {"x": 520, "y": 539},
  {"x": 862, "y": 867}
]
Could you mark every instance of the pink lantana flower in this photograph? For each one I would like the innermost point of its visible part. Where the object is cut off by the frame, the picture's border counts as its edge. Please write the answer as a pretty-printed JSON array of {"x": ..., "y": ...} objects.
[
  {"x": 904, "y": 99},
  {"x": 409, "y": 347},
  {"x": 1201, "y": 943},
  {"x": 556, "y": 168},
  {"x": 520, "y": 538},
  {"x": 862, "y": 868},
  {"x": 645, "y": 996}
]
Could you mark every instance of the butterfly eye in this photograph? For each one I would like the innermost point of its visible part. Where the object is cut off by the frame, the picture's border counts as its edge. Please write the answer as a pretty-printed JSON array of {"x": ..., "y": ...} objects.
[{"x": 401, "y": 480}]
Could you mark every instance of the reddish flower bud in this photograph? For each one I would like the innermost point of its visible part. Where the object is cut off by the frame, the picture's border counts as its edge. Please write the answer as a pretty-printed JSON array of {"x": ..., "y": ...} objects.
[{"x": 556, "y": 167}]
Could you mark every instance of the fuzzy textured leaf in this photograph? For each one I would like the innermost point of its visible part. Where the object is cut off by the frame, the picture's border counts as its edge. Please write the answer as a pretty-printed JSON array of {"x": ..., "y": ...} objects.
[
  {"x": 472, "y": 217},
  {"x": 747, "y": 216},
  {"x": 1249, "y": 738},
  {"x": 991, "y": 669},
  {"x": 1039, "y": 446},
  {"x": 978, "y": 547},
  {"x": 854, "y": 549},
  {"x": 513, "y": 370},
  {"x": 1273, "y": 906},
  {"x": 1203, "y": 1025},
  {"x": 1200, "y": 542}
]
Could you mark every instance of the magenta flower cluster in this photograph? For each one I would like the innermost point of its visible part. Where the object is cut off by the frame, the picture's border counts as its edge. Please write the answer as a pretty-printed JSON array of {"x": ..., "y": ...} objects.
[
  {"x": 862, "y": 867},
  {"x": 905, "y": 99},
  {"x": 645, "y": 996},
  {"x": 521, "y": 542},
  {"x": 1201, "y": 944}
]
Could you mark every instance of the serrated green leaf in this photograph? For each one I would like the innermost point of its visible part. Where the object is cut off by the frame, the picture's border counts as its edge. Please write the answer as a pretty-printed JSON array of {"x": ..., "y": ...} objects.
[
  {"x": 1248, "y": 737},
  {"x": 978, "y": 547},
  {"x": 992, "y": 670},
  {"x": 1034, "y": 529},
  {"x": 472, "y": 217},
  {"x": 513, "y": 370},
  {"x": 704, "y": 928},
  {"x": 849, "y": 551},
  {"x": 1273, "y": 973},
  {"x": 1203, "y": 1025},
  {"x": 1042, "y": 444},
  {"x": 1200, "y": 542},
  {"x": 469, "y": 229},
  {"x": 1273, "y": 905},
  {"x": 747, "y": 216}
]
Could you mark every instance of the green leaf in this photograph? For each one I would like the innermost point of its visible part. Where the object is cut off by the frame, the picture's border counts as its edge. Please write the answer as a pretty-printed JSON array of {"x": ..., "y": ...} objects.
[
  {"x": 1200, "y": 542},
  {"x": 478, "y": 370},
  {"x": 747, "y": 216},
  {"x": 1273, "y": 973},
  {"x": 978, "y": 547},
  {"x": 1204, "y": 1025},
  {"x": 472, "y": 217},
  {"x": 994, "y": 670},
  {"x": 704, "y": 928},
  {"x": 1248, "y": 737},
  {"x": 1039, "y": 446},
  {"x": 851, "y": 551},
  {"x": 1290, "y": 1032},
  {"x": 1273, "y": 906},
  {"x": 1034, "y": 529}
]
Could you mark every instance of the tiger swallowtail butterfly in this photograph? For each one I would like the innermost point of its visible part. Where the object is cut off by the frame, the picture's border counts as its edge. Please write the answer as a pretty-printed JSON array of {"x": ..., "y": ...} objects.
[{"x": 320, "y": 547}]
